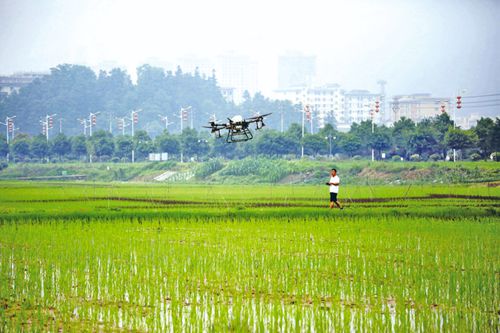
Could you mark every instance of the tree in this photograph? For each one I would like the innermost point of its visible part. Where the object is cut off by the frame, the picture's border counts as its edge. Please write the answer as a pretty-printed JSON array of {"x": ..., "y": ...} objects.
[
  {"x": 167, "y": 143},
  {"x": 78, "y": 145},
  {"x": 484, "y": 132},
  {"x": 21, "y": 147},
  {"x": 190, "y": 143},
  {"x": 402, "y": 130},
  {"x": 363, "y": 131},
  {"x": 123, "y": 146},
  {"x": 273, "y": 143},
  {"x": 315, "y": 144},
  {"x": 4, "y": 147},
  {"x": 294, "y": 132},
  {"x": 101, "y": 144},
  {"x": 460, "y": 139},
  {"x": 219, "y": 147},
  {"x": 350, "y": 143},
  {"x": 143, "y": 145},
  {"x": 61, "y": 145},
  {"x": 39, "y": 147},
  {"x": 422, "y": 141},
  {"x": 381, "y": 139}
]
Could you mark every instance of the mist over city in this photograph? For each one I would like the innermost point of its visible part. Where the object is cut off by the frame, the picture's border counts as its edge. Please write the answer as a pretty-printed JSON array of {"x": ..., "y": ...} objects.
[{"x": 416, "y": 46}]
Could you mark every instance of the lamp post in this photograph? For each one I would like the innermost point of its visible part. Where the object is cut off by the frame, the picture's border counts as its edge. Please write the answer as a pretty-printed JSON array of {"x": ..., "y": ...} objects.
[
  {"x": 329, "y": 138},
  {"x": 165, "y": 119}
]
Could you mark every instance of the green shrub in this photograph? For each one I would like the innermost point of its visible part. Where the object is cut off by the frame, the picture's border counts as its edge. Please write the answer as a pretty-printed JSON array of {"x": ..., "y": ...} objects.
[
  {"x": 475, "y": 157},
  {"x": 207, "y": 168},
  {"x": 396, "y": 158},
  {"x": 435, "y": 157},
  {"x": 415, "y": 158}
]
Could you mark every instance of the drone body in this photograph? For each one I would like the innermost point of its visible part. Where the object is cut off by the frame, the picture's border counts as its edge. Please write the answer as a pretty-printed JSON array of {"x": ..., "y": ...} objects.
[{"x": 237, "y": 127}]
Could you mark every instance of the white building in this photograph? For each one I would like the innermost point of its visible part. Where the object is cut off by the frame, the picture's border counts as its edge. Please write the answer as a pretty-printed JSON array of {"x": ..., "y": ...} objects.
[
  {"x": 237, "y": 72},
  {"x": 359, "y": 106},
  {"x": 234, "y": 73},
  {"x": 418, "y": 106},
  {"x": 332, "y": 105}
]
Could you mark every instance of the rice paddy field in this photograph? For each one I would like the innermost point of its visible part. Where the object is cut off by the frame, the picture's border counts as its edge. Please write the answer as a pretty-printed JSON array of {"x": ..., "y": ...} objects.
[{"x": 199, "y": 258}]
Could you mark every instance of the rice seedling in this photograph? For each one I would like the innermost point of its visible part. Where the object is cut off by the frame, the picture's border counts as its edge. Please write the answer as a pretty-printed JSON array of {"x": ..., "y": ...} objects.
[{"x": 210, "y": 258}]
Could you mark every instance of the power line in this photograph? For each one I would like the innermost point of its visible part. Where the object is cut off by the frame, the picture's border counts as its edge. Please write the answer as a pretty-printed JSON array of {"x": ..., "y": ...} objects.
[
  {"x": 485, "y": 101},
  {"x": 485, "y": 95},
  {"x": 481, "y": 106}
]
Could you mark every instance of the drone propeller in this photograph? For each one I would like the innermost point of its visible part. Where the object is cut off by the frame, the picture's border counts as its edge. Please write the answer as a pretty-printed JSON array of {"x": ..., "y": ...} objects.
[{"x": 260, "y": 116}]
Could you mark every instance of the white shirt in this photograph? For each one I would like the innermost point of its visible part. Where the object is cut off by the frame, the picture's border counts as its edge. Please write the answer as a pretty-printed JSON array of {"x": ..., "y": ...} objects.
[{"x": 334, "y": 188}]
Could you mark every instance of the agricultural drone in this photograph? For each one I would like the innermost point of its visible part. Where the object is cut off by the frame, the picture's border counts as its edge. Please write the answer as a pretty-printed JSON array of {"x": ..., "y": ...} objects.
[{"x": 237, "y": 127}]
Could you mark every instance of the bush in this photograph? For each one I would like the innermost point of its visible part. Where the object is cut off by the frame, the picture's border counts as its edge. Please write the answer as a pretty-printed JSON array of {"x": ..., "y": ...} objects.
[
  {"x": 207, "y": 168},
  {"x": 435, "y": 157},
  {"x": 115, "y": 159},
  {"x": 415, "y": 158},
  {"x": 267, "y": 170},
  {"x": 396, "y": 158},
  {"x": 104, "y": 158},
  {"x": 495, "y": 156},
  {"x": 3, "y": 165},
  {"x": 357, "y": 158},
  {"x": 475, "y": 157}
]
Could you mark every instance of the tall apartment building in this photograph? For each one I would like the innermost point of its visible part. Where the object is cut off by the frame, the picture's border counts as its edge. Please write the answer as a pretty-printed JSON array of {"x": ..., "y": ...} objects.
[
  {"x": 296, "y": 70},
  {"x": 235, "y": 73},
  {"x": 418, "y": 106}
]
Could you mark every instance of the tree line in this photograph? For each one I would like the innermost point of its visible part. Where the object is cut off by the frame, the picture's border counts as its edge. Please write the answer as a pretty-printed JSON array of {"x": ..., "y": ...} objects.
[
  {"x": 431, "y": 139},
  {"x": 72, "y": 92}
]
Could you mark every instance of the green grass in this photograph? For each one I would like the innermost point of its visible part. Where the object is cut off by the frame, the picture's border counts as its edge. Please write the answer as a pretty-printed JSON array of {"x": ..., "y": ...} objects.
[{"x": 106, "y": 256}]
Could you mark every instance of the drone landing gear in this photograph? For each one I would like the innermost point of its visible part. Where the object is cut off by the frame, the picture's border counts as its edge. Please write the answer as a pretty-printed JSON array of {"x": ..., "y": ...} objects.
[{"x": 239, "y": 135}]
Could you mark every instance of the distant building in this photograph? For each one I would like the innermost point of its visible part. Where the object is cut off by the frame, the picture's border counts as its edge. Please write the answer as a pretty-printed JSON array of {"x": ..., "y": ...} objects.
[
  {"x": 467, "y": 122},
  {"x": 332, "y": 105},
  {"x": 358, "y": 107},
  {"x": 14, "y": 82},
  {"x": 296, "y": 70},
  {"x": 418, "y": 106},
  {"x": 237, "y": 72},
  {"x": 325, "y": 101}
]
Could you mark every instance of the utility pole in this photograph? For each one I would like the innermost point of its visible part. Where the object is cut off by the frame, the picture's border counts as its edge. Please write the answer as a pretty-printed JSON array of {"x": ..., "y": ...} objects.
[
  {"x": 165, "y": 119},
  {"x": 60, "y": 125},
  {"x": 122, "y": 123},
  {"x": 47, "y": 124},
  {"x": 457, "y": 108},
  {"x": 303, "y": 120},
  {"x": 83, "y": 121},
  {"x": 183, "y": 115},
  {"x": 111, "y": 123},
  {"x": 134, "y": 119},
  {"x": 92, "y": 121},
  {"x": 9, "y": 127}
]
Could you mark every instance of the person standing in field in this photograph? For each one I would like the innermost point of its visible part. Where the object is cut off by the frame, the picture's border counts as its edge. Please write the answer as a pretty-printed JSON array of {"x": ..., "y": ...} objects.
[{"x": 334, "y": 188}]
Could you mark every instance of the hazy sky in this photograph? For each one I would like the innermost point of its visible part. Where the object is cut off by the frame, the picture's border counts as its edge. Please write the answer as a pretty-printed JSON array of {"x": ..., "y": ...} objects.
[{"x": 417, "y": 46}]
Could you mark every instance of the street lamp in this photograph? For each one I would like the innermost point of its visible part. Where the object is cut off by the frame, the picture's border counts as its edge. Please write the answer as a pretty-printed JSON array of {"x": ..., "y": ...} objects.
[{"x": 329, "y": 138}]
